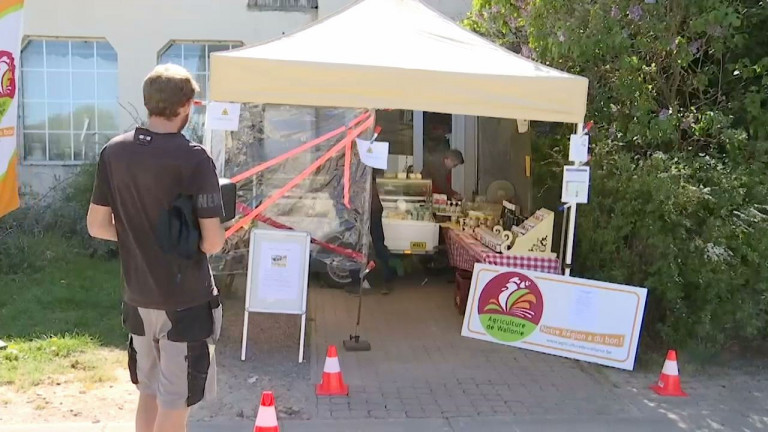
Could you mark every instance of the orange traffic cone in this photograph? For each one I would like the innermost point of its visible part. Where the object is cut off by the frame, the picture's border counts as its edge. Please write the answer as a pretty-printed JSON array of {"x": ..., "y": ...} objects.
[
  {"x": 669, "y": 380},
  {"x": 266, "y": 418},
  {"x": 332, "y": 383}
]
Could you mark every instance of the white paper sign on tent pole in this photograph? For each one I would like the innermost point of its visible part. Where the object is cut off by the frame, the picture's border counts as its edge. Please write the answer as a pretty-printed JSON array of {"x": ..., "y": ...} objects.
[{"x": 578, "y": 151}]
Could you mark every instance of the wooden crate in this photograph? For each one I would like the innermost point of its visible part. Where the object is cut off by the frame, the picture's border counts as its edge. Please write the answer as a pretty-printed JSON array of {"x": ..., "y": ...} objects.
[{"x": 461, "y": 295}]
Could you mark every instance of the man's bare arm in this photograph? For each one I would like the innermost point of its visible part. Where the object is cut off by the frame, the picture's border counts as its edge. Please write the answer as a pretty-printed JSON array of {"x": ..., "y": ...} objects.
[
  {"x": 101, "y": 223},
  {"x": 212, "y": 235}
]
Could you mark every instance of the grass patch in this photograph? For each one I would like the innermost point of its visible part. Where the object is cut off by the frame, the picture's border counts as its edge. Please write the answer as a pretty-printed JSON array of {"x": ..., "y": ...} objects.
[
  {"x": 71, "y": 294},
  {"x": 62, "y": 319},
  {"x": 27, "y": 363}
]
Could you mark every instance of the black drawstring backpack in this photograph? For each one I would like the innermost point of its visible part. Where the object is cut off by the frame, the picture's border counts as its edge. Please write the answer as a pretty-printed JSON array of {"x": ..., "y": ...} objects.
[{"x": 178, "y": 230}]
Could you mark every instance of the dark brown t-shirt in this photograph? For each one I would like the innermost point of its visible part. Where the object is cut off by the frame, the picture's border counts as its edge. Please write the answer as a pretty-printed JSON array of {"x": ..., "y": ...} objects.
[{"x": 139, "y": 175}]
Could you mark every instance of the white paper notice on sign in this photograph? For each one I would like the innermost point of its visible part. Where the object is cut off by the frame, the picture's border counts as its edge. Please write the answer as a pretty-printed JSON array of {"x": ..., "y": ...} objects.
[
  {"x": 579, "y": 148},
  {"x": 575, "y": 184},
  {"x": 373, "y": 153},
  {"x": 222, "y": 116},
  {"x": 280, "y": 270},
  {"x": 582, "y": 319},
  {"x": 585, "y": 309}
]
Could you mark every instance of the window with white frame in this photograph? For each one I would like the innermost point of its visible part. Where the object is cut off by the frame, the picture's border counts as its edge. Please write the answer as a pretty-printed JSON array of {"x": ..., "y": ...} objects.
[
  {"x": 196, "y": 58},
  {"x": 69, "y": 99}
]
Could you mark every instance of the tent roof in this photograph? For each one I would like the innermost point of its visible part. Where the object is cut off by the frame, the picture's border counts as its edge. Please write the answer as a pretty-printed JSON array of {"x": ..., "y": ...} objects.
[{"x": 396, "y": 54}]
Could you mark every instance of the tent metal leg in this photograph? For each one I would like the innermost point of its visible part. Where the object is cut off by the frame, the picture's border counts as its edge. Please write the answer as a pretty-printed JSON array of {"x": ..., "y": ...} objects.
[{"x": 571, "y": 222}]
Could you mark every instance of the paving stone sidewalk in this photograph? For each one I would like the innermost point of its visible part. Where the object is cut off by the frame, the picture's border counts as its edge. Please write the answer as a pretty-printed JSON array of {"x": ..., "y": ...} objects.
[{"x": 421, "y": 367}]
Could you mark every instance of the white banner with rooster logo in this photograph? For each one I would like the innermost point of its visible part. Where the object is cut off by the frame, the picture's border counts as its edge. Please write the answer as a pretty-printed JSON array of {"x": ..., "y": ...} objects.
[
  {"x": 582, "y": 319},
  {"x": 10, "y": 47}
]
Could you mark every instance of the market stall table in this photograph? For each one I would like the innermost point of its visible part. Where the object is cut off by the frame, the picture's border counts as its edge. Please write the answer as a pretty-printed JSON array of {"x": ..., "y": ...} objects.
[{"x": 464, "y": 251}]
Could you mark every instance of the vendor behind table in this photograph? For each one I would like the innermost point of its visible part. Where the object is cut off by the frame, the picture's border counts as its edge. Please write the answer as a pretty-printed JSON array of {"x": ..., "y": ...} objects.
[{"x": 438, "y": 166}]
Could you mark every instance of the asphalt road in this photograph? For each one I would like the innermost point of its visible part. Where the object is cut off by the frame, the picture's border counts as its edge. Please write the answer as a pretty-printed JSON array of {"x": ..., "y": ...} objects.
[{"x": 488, "y": 424}]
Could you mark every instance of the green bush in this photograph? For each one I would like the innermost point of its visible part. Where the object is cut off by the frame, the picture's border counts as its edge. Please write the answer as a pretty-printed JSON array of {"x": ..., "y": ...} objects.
[
  {"x": 679, "y": 202},
  {"x": 693, "y": 230},
  {"x": 34, "y": 234}
]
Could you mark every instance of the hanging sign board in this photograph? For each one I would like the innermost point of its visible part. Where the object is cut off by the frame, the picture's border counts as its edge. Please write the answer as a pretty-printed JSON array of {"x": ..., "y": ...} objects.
[
  {"x": 578, "y": 151},
  {"x": 278, "y": 274},
  {"x": 575, "y": 184},
  {"x": 222, "y": 116},
  {"x": 581, "y": 319}
]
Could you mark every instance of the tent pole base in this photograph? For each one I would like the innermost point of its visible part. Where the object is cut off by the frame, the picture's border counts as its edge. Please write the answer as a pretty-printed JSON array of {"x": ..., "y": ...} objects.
[{"x": 355, "y": 344}]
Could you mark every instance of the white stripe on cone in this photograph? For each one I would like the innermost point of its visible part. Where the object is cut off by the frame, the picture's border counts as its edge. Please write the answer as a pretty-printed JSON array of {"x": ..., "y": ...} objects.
[
  {"x": 670, "y": 368},
  {"x": 332, "y": 365},
  {"x": 267, "y": 417}
]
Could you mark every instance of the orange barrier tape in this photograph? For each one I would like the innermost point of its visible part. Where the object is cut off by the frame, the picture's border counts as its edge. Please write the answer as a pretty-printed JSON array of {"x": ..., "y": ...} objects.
[
  {"x": 303, "y": 175},
  {"x": 272, "y": 162}
]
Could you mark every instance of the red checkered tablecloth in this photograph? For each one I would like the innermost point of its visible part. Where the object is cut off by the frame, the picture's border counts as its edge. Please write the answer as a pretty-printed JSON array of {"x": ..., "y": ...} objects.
[{"x": 464, "y": 251}]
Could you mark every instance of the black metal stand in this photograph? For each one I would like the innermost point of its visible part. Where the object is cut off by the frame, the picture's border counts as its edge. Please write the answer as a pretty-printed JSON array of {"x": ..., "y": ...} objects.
[
  {"x": 355, "y": 343},
  {"x": 563, "y": 232}
]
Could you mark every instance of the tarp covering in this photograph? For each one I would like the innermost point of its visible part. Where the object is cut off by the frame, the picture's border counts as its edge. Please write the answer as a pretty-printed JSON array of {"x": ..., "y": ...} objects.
[
  {"x": 398, "y": 54},
  {"x": 275, "y": 145}
]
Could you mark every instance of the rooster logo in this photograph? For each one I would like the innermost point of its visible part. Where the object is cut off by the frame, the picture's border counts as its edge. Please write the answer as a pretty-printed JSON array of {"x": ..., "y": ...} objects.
[
  {"x": 510, "y": 306},
  {"x": 7, "y": 81},
  {"x": 514, "y": 299}
]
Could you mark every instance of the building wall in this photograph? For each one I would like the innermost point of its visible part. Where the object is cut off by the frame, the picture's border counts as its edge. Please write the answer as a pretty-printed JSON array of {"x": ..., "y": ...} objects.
[
  {"x": 455, "y": 9},
  {"x": 139, "y": 30}
]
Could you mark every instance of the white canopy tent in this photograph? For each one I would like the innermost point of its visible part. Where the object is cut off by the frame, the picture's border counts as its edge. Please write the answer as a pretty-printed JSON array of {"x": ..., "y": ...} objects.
[{"x": 398, "y": 54}]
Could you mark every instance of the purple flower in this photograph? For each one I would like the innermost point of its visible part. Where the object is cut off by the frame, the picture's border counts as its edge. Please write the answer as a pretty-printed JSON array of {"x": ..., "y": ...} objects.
[
  {"x": 695, "y": 47},
  {"x": 635, "y": 13},
  {"x": 526, "y": 52},
  {"x": 511, "y": 22},
  {"x": 615, "y": 12},
  {"x": 561, "y": 36},
  {"x": 495, "y": 9},
  {"x": 664, "y": 114},
  {"x": 673, "y": 45},
  {"x": 612, "y": 131},
  {"x": 686, "y": 123}
]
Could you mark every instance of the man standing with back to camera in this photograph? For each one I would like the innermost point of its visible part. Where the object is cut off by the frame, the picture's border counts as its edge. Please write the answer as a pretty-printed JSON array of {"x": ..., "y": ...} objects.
[{"x": 171, "y": 306}]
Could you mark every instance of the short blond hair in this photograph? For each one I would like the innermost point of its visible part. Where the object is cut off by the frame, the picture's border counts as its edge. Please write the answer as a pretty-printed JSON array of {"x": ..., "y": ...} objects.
[{"x": 167, "y": 89}]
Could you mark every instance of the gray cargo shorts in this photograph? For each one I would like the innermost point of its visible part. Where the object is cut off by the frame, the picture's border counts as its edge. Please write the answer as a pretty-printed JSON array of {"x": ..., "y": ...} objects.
[{"x": 171, "y": 353}]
